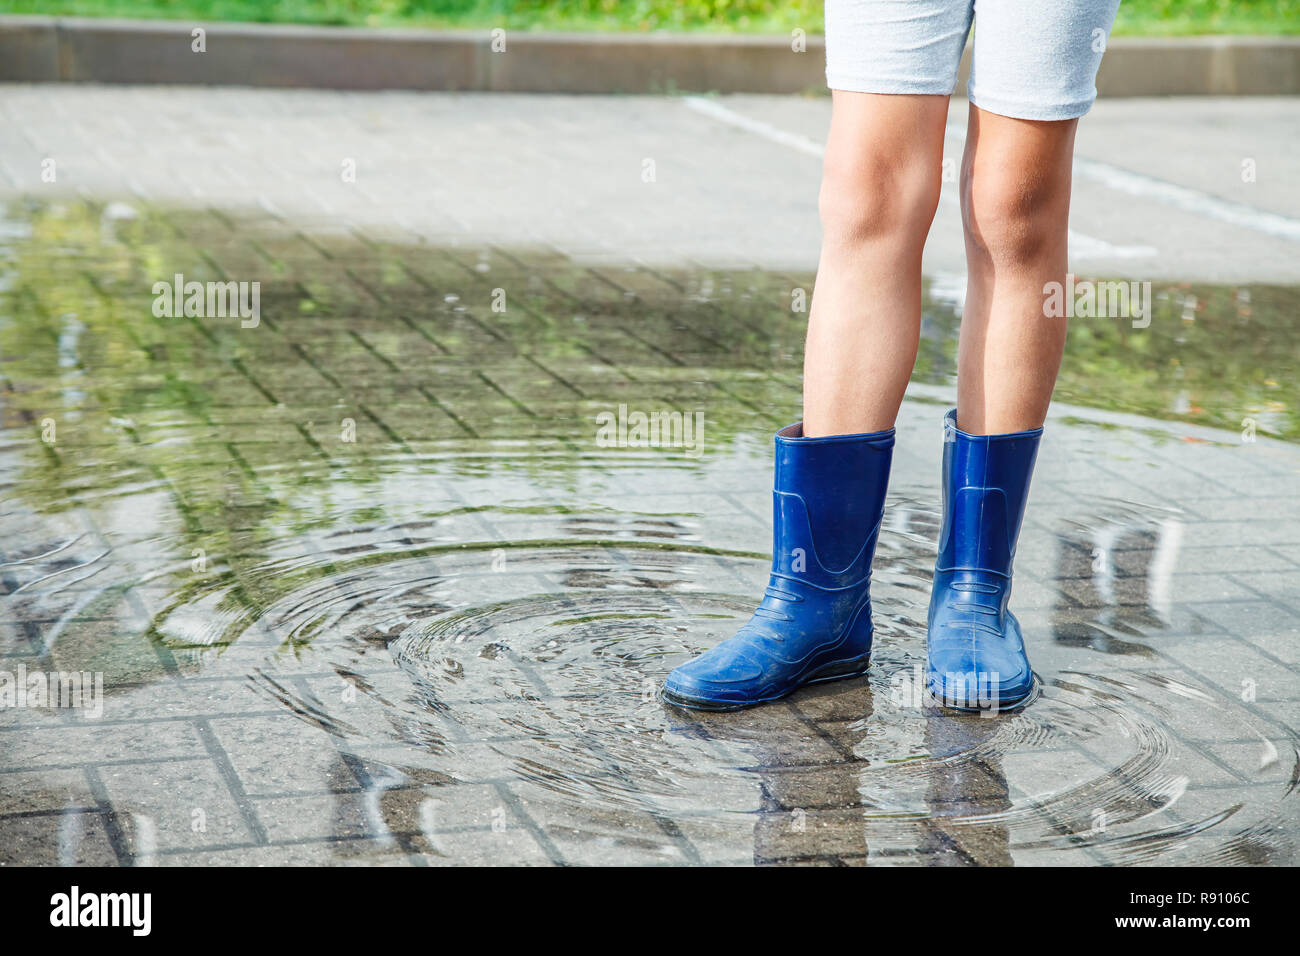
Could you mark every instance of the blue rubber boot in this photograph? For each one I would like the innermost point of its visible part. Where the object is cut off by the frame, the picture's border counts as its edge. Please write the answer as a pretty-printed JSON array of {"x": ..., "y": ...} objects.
[
  {"x": 814, "y": 623},
  {"x": 976, "y": 655}
]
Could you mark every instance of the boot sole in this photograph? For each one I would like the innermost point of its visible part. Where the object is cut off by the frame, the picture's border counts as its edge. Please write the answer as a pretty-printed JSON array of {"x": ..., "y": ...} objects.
[
  {"x": 839, "y": 670},
  {"x": 967, "y": 707}
]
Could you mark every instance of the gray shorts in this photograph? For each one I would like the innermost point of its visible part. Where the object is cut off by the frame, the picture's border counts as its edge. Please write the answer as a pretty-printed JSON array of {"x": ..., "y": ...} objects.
[{"x": 1032, "y": 59}]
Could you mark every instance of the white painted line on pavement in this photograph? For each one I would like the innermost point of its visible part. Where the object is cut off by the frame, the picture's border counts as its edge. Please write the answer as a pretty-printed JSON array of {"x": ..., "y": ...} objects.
[
  {"x": 1081, "y": 246},
  {"x": 1113, "y": 177},
  {"x": 1189, "y": 200},
  {"x": 719, "y": 112},
  {"x": 1180, "y": 197}
]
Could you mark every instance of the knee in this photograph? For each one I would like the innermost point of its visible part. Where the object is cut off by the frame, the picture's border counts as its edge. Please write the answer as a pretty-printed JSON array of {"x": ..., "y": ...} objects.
[
  {"x": 869, "y": 198},
  {"x": 1012, "y": 219}
]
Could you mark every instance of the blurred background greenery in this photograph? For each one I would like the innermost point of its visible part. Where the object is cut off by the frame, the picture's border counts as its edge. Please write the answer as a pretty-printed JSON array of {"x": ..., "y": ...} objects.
[{"x": 1140, "y": 17}]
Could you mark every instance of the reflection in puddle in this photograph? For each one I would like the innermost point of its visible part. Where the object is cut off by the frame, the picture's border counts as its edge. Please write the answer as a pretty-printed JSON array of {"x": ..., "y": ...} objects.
[
  {"x": 385, "y": 521},
  {"x": 1119, "y": 567}
]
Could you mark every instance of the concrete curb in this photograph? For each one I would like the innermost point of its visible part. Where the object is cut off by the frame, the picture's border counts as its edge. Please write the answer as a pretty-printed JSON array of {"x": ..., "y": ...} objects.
[{"x": 37, "y": 49}]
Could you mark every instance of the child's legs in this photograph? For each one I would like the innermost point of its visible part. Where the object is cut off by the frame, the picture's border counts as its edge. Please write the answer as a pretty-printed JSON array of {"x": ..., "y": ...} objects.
[
  {"x": 1015, "y": 193},
  {"x": 880, "y": 188},
  {"x": 1032, "y": 77}
]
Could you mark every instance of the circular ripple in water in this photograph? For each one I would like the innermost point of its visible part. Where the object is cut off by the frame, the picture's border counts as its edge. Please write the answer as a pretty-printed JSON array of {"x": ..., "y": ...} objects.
[{"x": 537, "y": 669}]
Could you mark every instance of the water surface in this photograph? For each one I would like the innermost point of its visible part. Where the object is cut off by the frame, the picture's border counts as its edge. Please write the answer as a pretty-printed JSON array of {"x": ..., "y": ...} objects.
[{"x": 365, "y": 585}]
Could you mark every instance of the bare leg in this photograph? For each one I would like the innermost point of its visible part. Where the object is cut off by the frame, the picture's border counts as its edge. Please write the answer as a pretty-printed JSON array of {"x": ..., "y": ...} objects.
[
  {"x": 880, "y": 188},
  {"x": 1015, "y": 192},
  {"x": 879, "y": 193}
]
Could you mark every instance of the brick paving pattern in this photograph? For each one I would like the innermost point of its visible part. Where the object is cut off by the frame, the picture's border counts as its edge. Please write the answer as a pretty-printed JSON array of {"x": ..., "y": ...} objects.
[{"x": 284, "y": 617}]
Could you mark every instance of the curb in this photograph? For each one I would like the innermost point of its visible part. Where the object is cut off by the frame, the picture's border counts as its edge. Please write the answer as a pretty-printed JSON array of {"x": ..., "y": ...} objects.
[{"x": 36, "y": 49}]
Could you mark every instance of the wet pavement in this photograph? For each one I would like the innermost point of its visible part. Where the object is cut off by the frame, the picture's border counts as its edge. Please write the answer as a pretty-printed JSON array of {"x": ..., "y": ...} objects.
[
  {"x": 1175, "y": 188},
  {"x": 371, "y": 582}
]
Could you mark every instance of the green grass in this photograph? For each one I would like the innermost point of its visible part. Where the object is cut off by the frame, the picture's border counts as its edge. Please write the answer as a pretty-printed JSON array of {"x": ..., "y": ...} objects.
[{"x": 1139, "y": 17}]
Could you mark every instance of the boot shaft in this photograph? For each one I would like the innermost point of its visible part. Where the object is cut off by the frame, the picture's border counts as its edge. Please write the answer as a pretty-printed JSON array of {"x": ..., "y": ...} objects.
[
  {"x": 828, "y": 497},
  {"x": 985, "y": 487}
]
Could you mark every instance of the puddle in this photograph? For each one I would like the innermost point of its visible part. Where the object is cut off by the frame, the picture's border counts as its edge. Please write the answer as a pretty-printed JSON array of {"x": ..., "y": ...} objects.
[{"x": 384, "y": 518}]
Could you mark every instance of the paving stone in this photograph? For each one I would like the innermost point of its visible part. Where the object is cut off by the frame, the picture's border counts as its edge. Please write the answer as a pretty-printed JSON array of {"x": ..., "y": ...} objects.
[{"x": 440, "y": 642}]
